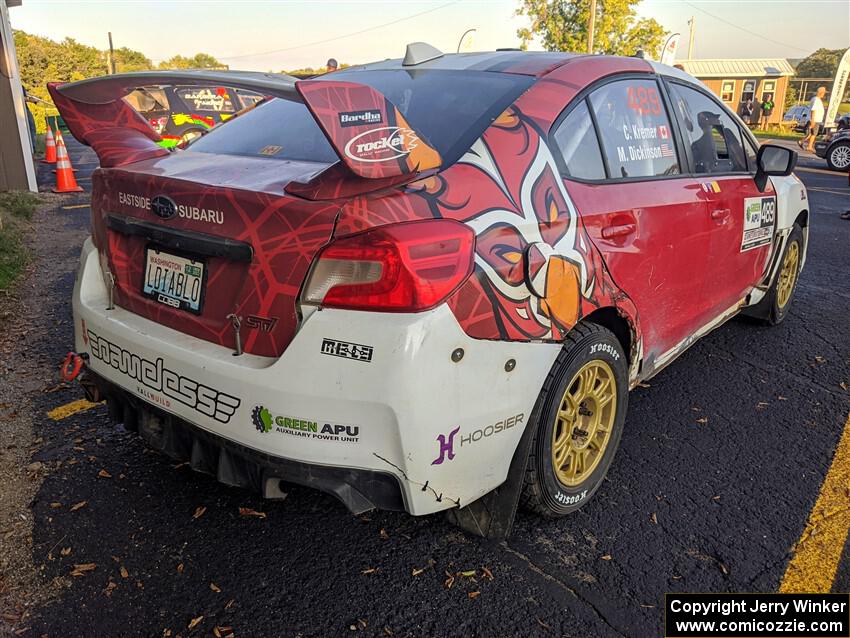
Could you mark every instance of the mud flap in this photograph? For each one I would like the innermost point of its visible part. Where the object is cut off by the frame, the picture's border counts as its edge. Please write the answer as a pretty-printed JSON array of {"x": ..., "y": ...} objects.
[{"x": 492, "y": 516}]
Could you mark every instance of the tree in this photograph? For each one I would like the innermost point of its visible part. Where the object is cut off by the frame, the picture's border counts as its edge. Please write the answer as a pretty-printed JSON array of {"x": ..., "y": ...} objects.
[
  {"x": 790, "y": 96},
  {"x": 197, "y": 61},
  {"x": 127, "y": 60},
  {"x": 823, "y": 63},
  {"x": 562, "y": 26}
]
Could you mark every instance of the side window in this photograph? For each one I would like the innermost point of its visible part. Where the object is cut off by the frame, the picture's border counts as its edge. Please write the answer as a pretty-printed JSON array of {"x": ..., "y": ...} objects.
[
  {"x": 713, "y": 136},
  {"x": 750, "y": 151},
  {"x": 576, "y": 139},
  {"x": 636, "y": 134},
  {"x": 215, "y": 100}
]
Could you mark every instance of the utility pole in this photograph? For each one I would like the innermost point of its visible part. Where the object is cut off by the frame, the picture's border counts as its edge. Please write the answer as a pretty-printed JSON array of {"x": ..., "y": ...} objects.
[
  {"x": 110, "y": 58},
  {"x": 591, "y": 24},
  {"x": 693, "y": 24}
]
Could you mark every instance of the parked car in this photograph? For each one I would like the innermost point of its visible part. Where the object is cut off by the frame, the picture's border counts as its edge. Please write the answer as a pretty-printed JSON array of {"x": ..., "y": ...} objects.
[
  {"x": 799, "y": 114},
  {"x": 835, "y": 147},
  {"x": 435, "y": 286},
  {"x": 182, "y": 113}
]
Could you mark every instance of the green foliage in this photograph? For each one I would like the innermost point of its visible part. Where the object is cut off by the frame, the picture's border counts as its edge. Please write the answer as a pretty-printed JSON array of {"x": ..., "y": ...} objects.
[
  {"x": 16, "y": 208},
  {"x": 197, "y": 61},
  {"x": 20, "y": 204},
  {"x": 311, "y": 71},
  {"x": 127, "y": 61},
  {"x": 42, "y": 60},
  {"x": 791, "y": 94},
  {"x": 561, "y": 25},
  {"x": 823, "y": 63}
]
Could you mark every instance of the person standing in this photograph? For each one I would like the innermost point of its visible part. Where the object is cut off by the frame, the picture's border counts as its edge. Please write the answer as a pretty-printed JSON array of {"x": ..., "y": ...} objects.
[
  {"x": 766, "y": 109},
  {"x": 755, "y": 113},
  {"x": 815, "y": 120}
]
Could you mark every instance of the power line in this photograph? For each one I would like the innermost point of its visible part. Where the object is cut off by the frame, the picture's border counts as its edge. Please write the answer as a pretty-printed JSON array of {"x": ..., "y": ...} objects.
[
  {"x": 340, "y": 37},
  {"x": 737, "y": 26}
]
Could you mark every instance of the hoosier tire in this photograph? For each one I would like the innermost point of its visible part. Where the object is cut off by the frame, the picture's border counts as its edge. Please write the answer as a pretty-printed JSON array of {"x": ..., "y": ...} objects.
[{"x": 584, "y": 401}]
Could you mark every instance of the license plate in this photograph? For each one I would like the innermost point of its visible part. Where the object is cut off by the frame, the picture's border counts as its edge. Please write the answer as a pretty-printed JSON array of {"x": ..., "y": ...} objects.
[{"x": 174, "y": 280}]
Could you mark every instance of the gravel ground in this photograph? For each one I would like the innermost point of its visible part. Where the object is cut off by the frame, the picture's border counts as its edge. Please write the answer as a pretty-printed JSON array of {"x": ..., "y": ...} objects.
[{"x": 28, "y": 377}]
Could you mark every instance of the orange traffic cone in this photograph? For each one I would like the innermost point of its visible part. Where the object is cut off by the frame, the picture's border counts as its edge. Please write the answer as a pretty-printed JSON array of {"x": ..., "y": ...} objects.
[
  {"x": 50, "y": 148},
  {"x": 65, "y": 180}
]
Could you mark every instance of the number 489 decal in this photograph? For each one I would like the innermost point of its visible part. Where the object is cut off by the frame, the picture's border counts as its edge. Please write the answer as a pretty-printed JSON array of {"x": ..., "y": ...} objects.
[{"x": 644, "y": 100}]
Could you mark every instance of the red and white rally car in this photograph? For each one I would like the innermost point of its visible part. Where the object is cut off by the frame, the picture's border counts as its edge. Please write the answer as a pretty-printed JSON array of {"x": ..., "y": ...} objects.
[{"x": 422, "y": 284}]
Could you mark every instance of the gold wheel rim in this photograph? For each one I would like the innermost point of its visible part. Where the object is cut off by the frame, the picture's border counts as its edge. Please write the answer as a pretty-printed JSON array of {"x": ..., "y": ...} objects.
[
  {"x": 584, "y": 422},
  {"x": 788, "y": 274}
]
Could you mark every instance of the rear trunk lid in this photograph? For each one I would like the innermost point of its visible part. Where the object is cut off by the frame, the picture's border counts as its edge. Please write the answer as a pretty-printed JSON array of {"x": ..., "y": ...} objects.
[{"x": 228, "y": 223}]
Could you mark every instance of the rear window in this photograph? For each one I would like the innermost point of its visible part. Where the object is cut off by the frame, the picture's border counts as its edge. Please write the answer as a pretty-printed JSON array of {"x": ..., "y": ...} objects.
[
  {"x": 451, "y": 109},
  {"x": 277, "y": 129}
]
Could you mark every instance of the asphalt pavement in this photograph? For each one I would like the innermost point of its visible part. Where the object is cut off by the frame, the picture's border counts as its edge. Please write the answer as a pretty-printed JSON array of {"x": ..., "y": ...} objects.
[{"x": 722, "y": 459}]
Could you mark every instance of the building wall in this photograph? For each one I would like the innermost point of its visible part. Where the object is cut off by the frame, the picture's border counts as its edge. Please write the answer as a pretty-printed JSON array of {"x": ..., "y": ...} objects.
[
  {"x": 16, "y": 164},
  {"x": 715, "y": 85}
]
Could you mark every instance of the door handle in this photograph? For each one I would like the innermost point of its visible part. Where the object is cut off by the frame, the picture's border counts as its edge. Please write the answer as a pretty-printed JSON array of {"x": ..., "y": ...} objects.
[
  {"x": 720, "y": 214},
  {"x": 618, "y": 230}
]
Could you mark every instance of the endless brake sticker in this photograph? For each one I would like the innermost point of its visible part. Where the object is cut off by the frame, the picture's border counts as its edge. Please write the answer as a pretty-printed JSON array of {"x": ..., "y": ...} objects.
[{"x": 759, "y": 218}]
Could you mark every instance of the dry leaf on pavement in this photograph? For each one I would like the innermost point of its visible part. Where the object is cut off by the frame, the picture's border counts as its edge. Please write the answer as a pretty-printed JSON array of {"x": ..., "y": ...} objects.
[
  {"x": 82, "y": 569},
  {"x": 77, "y": 506},
  {"x": 195, "y": 622},
  {"x": 199, "y": 511},
  {"x": 104, "y": 474},
  {"x": 215, "y": 588},
  {"x": 247, "y": 511},
  {"x": 124, "y": 572}
]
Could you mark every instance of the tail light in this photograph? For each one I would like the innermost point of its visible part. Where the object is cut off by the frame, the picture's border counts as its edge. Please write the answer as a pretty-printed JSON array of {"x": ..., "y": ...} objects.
[
  {"x": 158, "y": 124},
  {"x": 405, "y": 267}
]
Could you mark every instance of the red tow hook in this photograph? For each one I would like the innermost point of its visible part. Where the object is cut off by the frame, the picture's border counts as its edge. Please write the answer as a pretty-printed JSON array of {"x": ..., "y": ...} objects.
[{"x": 72, "y": 366}]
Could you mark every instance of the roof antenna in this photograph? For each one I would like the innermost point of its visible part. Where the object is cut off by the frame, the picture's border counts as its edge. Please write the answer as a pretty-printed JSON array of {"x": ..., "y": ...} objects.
[{"x": 419, "y": 52}]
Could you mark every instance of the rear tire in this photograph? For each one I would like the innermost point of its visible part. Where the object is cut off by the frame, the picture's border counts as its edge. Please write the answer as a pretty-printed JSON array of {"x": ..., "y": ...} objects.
[
  {"x": 838, "y": 156},
  {"x": 584, "y": 401}
]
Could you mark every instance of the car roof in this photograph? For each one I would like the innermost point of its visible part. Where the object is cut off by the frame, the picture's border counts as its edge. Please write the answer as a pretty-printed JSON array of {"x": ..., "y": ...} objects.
[{"x": 536, "y": 63}]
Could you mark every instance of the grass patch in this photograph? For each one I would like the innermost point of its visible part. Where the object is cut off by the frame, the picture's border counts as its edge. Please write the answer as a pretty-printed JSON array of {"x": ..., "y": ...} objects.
[
  {"x": 16, "y": 209},
  {"x": 776, "y": 134},
  {"x": 39, "y": 144}
]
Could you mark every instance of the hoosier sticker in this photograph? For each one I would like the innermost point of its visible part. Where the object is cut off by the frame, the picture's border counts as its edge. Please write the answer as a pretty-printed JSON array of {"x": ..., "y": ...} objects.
[{"x": 759, "y": 219}]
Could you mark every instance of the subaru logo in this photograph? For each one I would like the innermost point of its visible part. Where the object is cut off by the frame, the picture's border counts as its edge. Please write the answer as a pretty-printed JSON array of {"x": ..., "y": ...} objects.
[{"x": 163, "y": 207}]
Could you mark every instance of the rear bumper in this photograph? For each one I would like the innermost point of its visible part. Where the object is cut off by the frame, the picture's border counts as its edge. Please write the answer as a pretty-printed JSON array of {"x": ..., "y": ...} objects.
[
  {"x": 237, "y": 465},
  {"x": 444, "y": 432}
]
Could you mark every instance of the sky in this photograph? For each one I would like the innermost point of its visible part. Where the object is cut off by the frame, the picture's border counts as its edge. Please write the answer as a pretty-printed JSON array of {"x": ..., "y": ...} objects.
[{"x": 274, "y": 35}]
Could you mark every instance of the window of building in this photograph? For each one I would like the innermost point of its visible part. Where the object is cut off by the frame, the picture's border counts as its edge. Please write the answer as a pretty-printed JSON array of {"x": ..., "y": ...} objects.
[
  {"x": 749, "y": 91},
  {"x": 576, "y": 139},
  {"x": 636, "y": 135},
  {"x": 727, "y": 91},
  {"x": 768, "y": 87}
]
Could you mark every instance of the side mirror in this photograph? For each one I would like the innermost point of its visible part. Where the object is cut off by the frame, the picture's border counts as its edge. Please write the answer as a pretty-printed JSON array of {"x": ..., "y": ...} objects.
[{"x": 773, "y": 160}]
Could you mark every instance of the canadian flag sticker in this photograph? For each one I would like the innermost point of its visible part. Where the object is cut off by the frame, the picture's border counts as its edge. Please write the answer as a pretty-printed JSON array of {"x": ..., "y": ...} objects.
[{"x": 662, "y": 131}]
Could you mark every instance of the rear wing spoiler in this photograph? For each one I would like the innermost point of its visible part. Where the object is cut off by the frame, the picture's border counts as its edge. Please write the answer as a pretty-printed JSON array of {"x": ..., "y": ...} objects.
[{"x": 367, "y": 131}]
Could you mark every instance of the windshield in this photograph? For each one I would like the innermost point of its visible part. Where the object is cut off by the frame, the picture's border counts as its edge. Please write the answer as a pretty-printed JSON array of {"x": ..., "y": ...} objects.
[{"x": 450, "y": 109}]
